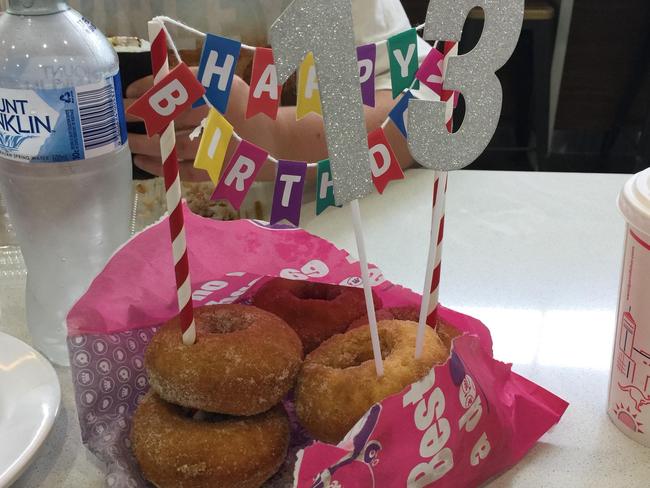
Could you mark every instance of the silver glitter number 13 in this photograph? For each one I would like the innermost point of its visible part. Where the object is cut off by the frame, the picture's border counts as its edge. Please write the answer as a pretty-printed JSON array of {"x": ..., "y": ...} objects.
[
  {"x": 325, "y": 29},
  {"x": 472, "y": 74}
]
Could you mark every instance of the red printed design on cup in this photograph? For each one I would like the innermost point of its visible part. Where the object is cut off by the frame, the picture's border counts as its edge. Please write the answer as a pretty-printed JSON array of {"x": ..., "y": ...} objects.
[
  {"x": 629, "y": 390},
  {"x": 629, "y": 402}
]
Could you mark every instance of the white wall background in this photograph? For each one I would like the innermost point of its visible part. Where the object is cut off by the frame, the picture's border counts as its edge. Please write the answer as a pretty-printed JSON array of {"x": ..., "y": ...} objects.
[{"x": 246, "y": 20}]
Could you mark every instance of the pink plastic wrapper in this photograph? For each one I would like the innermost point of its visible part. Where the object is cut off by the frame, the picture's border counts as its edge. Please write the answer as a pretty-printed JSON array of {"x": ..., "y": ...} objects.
[{"x": 466, "y": 421}]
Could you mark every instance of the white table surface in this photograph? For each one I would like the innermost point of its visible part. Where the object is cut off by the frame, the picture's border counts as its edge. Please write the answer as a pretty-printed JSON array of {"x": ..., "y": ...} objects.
[{"x": 536, "y": 256}]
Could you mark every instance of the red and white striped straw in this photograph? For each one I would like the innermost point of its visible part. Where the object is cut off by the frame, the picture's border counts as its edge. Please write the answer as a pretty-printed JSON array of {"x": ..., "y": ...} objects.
[
  {"x": 160, "y": 68},
  {"x": 451, "y": 49},
  {"x": 439, "y": 197},
  {"x": 432, "y": 274},
  {"x": 431, "y": 290}
]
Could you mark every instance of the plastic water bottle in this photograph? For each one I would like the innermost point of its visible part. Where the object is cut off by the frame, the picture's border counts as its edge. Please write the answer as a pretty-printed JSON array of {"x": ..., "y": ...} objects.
[{"x": 65, "y": 166}]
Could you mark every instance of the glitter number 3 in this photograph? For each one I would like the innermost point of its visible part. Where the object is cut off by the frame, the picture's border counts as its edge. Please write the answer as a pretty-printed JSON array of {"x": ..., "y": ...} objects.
[
  {"x": 325, "y": 29},
  {"x": 472, "y": 74}
]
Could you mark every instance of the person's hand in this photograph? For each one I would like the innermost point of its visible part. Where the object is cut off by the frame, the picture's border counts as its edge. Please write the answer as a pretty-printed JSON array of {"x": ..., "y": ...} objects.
[
  {"x": 146, "y": 151},
  {"x": 238, "y": 102}
]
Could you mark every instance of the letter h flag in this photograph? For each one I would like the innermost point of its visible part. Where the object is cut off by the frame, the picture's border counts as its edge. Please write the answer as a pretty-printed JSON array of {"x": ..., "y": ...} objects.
[
  {"x": 240, "y": 174},
  {"x": 324, "y": 187},
  {"x": 216, "y": 70},
  {"x": 287, "y": 195}
]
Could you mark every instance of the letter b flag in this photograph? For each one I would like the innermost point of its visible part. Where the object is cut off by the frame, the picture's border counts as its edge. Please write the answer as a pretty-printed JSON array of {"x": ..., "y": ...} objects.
[{"x": 163, "y": 102}]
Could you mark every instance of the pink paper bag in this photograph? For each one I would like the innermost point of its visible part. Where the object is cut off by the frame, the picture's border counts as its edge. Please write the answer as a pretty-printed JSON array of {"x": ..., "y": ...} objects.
[{"x": 466, "y": 421}]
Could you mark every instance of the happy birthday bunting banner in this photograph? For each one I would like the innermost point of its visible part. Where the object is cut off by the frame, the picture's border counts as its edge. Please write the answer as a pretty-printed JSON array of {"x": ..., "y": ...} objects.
[
  {"x": 399, "y": 113},
  {"x": 308, "y": 93},
  {"x": 217, "y": 68},
  {"x": 385, "y": 166},
  {"x": 403, "y": 58},
  {"x": 287, "y": 194},
  {"x": 264, "y": 93},
  {"x": 240, "y": 174},
  {"x": 214, "y": 144},
  {"x": 324, "y": 187},
  {"x": 164, "y": 101},
  {"x": 366, "y": 56}
]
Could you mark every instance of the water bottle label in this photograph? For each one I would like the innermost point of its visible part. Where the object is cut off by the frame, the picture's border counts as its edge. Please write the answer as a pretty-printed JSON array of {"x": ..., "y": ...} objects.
[{"x": 62, "y": 124}]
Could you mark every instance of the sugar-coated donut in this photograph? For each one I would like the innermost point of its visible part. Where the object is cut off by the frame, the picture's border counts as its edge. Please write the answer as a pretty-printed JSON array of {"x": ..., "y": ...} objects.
[
  {"x": 243, "y": 362},
  {"x": 446, "y": 332},
  {"x": 176, "y": 450},
  {"x": 338, "y": 383},
  {"x": 316, "y": 311}
]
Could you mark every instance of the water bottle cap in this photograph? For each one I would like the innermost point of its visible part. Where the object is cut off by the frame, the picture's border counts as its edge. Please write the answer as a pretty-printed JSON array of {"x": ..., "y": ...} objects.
[{"x": 36, "y": 7}]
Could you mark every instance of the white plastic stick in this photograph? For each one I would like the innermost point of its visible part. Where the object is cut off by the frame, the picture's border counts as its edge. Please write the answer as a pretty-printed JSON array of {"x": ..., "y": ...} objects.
[
  {"x": 430, "y": 298},
  {"x": 370, "y": 305}
]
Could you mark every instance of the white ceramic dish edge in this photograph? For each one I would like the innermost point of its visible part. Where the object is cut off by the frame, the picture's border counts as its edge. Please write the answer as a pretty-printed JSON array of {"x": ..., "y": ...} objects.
[{"x": 30, "y": 396}]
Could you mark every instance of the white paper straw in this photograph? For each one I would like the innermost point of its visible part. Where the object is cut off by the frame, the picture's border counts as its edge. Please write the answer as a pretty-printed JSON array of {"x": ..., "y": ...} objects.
[{"x": 370, "y": 305}]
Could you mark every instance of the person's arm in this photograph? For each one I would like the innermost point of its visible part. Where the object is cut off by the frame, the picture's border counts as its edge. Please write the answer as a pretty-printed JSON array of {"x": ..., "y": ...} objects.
[
  {"x": 283, "y": 138},
  {"x": 304, "y": 139}
]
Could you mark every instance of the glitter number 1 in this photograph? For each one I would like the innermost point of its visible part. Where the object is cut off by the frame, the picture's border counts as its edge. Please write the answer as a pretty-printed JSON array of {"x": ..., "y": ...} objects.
[
  {"x": 325, "y": 29},
  {"x": 472, "y": 74}
]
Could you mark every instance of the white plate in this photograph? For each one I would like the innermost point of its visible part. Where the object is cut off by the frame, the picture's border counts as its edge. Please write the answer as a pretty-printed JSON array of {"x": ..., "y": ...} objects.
[{"x": 29, "y": 401}]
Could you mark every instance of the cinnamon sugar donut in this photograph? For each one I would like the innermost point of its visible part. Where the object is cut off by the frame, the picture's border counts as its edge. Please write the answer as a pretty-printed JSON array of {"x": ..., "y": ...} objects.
[
  {"x": 243, "y": 362},
  {"x": 316, "y": 311},
  {"x": 338, "y": 383},
  {"x": 176, "y": 450},
  {"x": 446, "y": 332}
]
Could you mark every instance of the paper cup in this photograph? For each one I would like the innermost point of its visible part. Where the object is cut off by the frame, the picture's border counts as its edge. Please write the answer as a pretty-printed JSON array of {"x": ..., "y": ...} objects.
[{"x": 629, "y": 389}]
